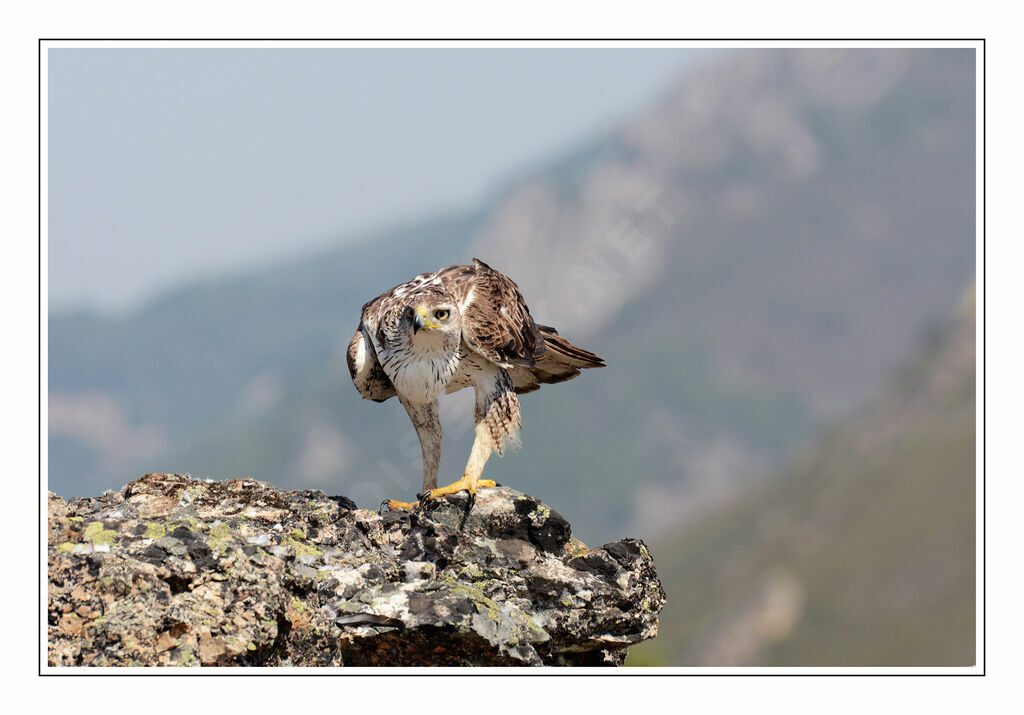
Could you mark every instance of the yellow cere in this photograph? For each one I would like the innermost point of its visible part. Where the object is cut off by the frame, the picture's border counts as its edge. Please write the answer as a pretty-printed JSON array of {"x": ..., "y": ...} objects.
[{"x": 422, "y": 312}]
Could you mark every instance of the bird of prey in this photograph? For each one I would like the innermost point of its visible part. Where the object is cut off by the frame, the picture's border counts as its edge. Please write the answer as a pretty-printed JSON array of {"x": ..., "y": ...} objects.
[{"x": 463, "y": 326}]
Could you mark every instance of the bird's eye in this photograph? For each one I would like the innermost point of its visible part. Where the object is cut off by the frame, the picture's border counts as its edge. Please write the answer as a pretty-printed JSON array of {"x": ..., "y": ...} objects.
[{"x": 441, "y": 314}]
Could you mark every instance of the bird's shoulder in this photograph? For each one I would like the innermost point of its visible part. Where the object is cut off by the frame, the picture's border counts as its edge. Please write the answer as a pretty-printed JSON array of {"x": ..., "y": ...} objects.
[{"x": 496, "y": 320}]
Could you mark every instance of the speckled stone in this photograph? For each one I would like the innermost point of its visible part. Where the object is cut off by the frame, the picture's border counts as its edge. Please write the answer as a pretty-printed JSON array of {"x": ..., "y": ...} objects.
[{"x": 186, "y": 572}]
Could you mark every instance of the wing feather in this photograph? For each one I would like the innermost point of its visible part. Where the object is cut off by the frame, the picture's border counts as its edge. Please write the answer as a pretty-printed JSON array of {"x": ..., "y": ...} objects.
[
  {"x": 496, "y": 321},
  {"x": 367, "y": 374}
]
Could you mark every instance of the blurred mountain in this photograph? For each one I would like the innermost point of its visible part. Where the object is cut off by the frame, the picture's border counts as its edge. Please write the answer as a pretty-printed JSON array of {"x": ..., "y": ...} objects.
[
  {"x": 752, "y": 257},
  {"x": 861, "y": 553}
]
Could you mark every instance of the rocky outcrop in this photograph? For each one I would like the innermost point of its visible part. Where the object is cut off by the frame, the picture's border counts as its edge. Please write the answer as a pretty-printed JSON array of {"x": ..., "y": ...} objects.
[{"x": 180, "y": 571}]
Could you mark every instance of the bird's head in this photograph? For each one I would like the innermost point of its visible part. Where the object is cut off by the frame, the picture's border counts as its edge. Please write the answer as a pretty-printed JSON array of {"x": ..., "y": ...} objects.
[{"x": 434, "y": 318}]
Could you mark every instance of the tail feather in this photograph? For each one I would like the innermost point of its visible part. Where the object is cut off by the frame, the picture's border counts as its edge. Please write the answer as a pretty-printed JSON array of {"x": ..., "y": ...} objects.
[
  {"x": 561, "y": 361},
  {"x": 578, "y": 357}
]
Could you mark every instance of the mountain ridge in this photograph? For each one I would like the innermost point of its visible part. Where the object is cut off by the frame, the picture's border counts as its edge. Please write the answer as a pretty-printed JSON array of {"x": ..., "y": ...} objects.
[{"x": 860, "y": 552}]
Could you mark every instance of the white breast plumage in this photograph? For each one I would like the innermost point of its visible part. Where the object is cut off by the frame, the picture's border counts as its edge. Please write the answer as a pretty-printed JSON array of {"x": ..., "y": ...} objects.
[{"x": 419, "y": 378}]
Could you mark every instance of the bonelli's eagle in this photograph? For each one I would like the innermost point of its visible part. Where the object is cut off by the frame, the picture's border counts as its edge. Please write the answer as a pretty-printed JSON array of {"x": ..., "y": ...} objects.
[{"x": 463, "y": 326}]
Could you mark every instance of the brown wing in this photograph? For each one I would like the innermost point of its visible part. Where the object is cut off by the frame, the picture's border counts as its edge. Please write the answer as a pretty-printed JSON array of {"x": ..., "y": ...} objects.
[
  {"x": 495, "y": 319},
  {"x": 560, "y": 362},
  {"x": 367, "y": 374},
  {"x": 364, "y": 367}
]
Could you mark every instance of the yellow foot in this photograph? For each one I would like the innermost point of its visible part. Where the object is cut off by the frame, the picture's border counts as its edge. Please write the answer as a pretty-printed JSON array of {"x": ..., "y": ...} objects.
[
  {"x": 466, "y": 484},
  {"x": 391, "y": 504},
  {"x": 461, "y": 485}
]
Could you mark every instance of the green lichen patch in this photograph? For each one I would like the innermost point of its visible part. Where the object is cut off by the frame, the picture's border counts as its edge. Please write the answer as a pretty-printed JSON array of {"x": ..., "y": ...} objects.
[
  {"x": 218, "y": 538},
  {"x": 190, "y": 523},
  {"x": 575, "y": 548},
  {"x": 95, "y": 533},
  {"x": 196, "y": 489},
  {"x": 300, "y": 546},
  {"x": 476, "y": 595},
  {"x": 185, "y": 655}
]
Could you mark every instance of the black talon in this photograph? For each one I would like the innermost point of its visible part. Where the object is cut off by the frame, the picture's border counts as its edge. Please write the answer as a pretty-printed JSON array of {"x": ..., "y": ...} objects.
[
  {"x": 469, "y": 507},
  {"x": 385, "y": 506}
]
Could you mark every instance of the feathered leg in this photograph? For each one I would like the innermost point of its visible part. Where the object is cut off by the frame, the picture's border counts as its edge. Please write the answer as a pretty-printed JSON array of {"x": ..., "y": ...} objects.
[
  {"x": 426, "y": 420},
  {"x": 497, "y": 425}
]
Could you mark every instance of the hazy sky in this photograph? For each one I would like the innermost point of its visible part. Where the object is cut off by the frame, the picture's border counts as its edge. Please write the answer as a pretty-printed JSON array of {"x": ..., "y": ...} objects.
[{"x": 166, "y": 165}]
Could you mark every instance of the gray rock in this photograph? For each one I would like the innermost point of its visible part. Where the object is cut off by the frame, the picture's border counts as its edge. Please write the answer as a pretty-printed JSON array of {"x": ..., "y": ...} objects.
[{"x": 181, "y": 571}]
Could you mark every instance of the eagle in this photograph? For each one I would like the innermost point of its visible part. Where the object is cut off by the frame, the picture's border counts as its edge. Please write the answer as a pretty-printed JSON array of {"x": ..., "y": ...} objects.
[{"x": 463, "y": 326}]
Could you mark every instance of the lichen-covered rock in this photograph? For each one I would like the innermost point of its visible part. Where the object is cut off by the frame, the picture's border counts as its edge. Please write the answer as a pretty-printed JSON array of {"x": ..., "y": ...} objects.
[{"x": 179, "y": 571}]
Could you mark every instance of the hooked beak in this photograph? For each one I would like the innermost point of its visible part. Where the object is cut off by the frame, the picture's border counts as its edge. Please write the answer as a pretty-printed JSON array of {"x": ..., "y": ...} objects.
[{"x": 419, "y": 320}]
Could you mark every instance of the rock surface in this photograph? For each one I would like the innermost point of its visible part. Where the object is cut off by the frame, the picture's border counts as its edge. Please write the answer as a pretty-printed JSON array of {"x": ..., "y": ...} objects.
[{"x": 179, "y": 571}]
